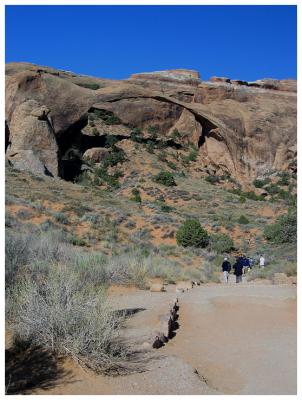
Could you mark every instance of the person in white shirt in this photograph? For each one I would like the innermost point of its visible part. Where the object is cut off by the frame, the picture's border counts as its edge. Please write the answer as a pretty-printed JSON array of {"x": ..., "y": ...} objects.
[{"x": 262, "y": 261}]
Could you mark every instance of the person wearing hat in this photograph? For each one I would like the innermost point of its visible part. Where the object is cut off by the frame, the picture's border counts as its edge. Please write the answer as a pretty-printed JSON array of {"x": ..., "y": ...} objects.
[{"x": 226, "y": 268}]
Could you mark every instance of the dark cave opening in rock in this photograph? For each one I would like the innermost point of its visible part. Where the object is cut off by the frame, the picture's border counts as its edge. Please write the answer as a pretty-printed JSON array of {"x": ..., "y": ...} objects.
[
  {"x": 70, "y": 154},
  {"x": 207, "y": 126},
  {"x": 7, "y": 136}
]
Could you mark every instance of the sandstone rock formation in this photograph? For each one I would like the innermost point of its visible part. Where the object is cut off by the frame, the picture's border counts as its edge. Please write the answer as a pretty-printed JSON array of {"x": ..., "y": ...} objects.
[{"x": 240, "y": 128}]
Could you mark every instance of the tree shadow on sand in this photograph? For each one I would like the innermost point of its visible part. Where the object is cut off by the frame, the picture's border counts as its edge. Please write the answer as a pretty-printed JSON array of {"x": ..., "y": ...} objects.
[{"x": 28, "y": 368}]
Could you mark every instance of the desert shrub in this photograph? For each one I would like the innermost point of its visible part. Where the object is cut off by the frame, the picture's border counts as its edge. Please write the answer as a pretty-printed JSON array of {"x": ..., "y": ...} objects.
[
  {"x": 107, "y": 116},
  {"x": 284, "y": 230},
  {"x": 222, "y": 243},
  {"x": 165, "y": 208},
  {"x": 10, "y": 221},
  {"x": 95, "y": 132},
  {"x": 290, "y": 269},
  {"x": 150, "y": 146},
  {"x": 67, "y": 317},
  {"x": 243, "y": 220},
  {"x": 16, "y": 255},
  {"x": 153, "y": 131},
  {"x": 35, "y": 251},
  {"x": 136, "y": 195},
  {"x": 192, "y": 234},
  {"x": 111, "y": 141},
  {"x": 248, "y": 195},
  {"x": 111, "y": 180},
  {"x": 273, "y": 188},
  {"x": 136, "y": 135},
  {"x": 192, "y": 156},
  {"x": 165, "y": 178},
  {"x": 209, "y": 273},
  {"x": 259, "y": 183},
  {"x": 284, "y": 178},
  {"x": 253, "y": 196},
  {"x": 212, "y": 179},
  {"x": 75, "y": 240},
  {"x": 92, "y": 86},
  {"x": 175, "y": 134},
  {"x": 171, "y": 165},
  {"x": 162, "y": 156},
  {"x": 61, "y": 217},
  {"x": 242, "y": 199},
  {"x": 24, "y": 214},
  {"x": 115, "y": 157},
  {"x": 129, "y": 269},
  {"x": 91, "y": 268}
]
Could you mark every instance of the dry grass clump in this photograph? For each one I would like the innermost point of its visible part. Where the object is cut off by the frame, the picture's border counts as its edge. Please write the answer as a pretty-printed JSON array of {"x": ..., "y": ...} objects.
[
  {"x": 52, "y": 301},
  {"x": 68, "y": 317}
]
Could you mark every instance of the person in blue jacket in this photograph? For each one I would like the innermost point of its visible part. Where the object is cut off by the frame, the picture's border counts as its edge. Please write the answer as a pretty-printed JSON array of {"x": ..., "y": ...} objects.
[{"x": 238, "y": 269}]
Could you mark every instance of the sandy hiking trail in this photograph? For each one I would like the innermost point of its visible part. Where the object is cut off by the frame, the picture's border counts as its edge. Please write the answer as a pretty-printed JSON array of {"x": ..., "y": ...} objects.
[
  {"x": 242, "y": 338},
  {"x": 232, "y": 339}
]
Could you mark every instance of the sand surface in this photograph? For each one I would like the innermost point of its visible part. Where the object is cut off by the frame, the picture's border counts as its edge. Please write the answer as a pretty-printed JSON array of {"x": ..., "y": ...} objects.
[
  {"x": 232, "y": 339},
  {"x": 242, "y": 339}
]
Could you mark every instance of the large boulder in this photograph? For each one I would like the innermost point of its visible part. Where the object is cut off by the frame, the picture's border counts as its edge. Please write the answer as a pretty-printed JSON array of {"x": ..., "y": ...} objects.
[
  {"x": 96, "y": 154},
  {"x": 32, "y": 139}
]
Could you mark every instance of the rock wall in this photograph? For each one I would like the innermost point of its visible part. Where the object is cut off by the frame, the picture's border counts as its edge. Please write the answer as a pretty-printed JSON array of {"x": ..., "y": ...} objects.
[{"x": 241, "y": 128}]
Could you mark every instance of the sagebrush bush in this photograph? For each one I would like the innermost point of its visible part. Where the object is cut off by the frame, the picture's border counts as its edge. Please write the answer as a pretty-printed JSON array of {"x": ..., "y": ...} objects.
[
  {"x": 243, "y": 220},
  {"x": 222, "y": 243},
  {"x": 35, "y": 251},
  {"x": 165, "y": 178},
  {"x": 191, "y": 233},
  {"x": 212, "y": 179},
  {"x": 136, "y": 195},
  {"x": 92, "y": 86},
  {"x": 284, "y": 230},
  {"x": 69, "y": 318}
]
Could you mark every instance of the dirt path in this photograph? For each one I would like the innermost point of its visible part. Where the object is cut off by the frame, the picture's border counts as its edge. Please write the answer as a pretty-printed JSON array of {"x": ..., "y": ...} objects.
[
  {"x": 242, "y": 338},
  {"x": 232, "y": 339}
]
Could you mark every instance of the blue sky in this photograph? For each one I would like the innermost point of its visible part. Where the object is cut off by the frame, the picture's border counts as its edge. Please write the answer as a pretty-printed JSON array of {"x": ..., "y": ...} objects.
[{"x": 240, "y": 42}]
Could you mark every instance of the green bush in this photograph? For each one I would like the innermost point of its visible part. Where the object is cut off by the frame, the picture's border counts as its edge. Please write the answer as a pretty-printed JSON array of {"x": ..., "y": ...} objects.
[
  {"x": 192, "y": 156},
  {"x": 222, "y": 243},
  {"x": 175, "y": 134},
  {"x": 171, "y": 165},
  {"x": 115, "y": 157},
  {"x": 61, "y": 217},
  {"x": 136, "y": 196},
  {"x": 107, "y": 116},
  {"x": 243, "y": 220},
  {"x": 150, "y": 147},
  {"x": 212, "y": 179},
  {"x": 153, "y": 131},
  {"x": 92, "y": 86},
  {"x": 111, "y": 141},
  {"x": 242, "y": 199},
  {"x": 111, "y": 180},
  {"x": 284, "y": 230},
  {"x": 259, "y": 183},
  {"x": 165, "y": 178},
  {"x": 136, "y": 135},
  {"x": 192, "y": 234}
]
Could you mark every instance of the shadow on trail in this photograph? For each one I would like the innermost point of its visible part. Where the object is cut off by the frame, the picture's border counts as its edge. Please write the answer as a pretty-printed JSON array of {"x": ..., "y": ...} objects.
[
  {"x": 128, "y": 312},
  {"x": 28, "y": 368}
]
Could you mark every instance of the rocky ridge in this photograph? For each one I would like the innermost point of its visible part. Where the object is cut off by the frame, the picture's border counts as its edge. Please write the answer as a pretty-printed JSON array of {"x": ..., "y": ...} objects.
[{"x": 242, "y": 129}]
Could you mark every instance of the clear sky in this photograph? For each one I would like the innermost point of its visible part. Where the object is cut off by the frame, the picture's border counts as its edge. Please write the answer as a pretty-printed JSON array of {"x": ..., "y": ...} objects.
[{"x": 240, "y": 42}]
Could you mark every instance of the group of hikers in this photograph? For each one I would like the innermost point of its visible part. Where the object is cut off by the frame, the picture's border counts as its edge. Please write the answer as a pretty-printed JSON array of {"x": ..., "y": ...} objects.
[{"x": 242, "y": 264}]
